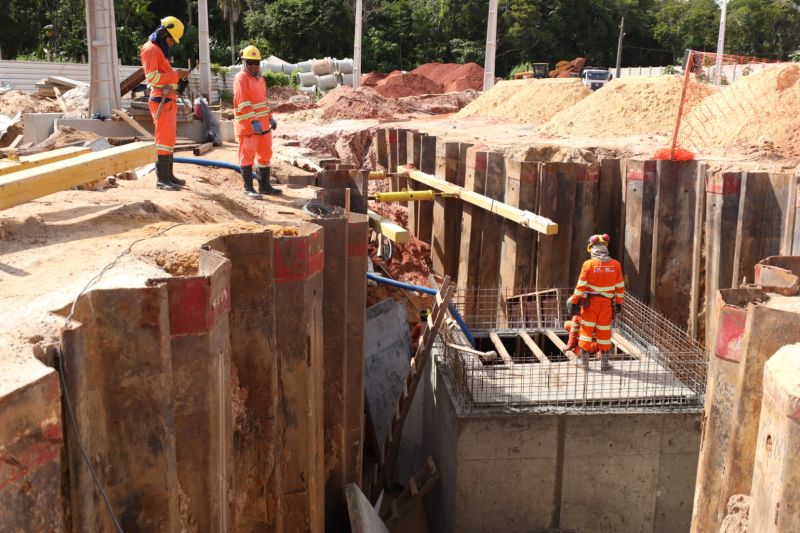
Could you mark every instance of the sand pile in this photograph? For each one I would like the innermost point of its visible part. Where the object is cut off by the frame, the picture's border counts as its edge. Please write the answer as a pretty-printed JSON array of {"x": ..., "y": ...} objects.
[
  {"x": 530, "y": 101},
  {"x": 400, "y": 85},
  {"x": 628, "y": 106},
  {"x": 759, "y": 109},
  {"x": 13, "y": 102},
  {"x": 453, "y": 77}
]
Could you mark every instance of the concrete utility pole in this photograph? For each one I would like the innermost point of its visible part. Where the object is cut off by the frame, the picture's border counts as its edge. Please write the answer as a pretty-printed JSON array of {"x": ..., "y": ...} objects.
[
  {"x": 619, "y": 46},
  {"x": 491, "y": 46},
  {"x": 721, "y": 42},
  {"x": 205, "y": 53},
  {"x": 101, "y": 33},
  {"x": 357, "y": 47}
]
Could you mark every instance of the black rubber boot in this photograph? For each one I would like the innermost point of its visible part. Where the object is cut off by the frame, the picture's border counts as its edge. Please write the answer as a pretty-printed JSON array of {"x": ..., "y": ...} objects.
[
  {"x": 264, "y": 186},
  {"x": 162, "y": 175},
  {"x": 174, "y": 180},
  {"x": 247, "y": 178}
]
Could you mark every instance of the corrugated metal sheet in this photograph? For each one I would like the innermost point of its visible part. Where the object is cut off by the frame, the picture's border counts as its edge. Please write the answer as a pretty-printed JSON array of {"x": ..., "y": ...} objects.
[{"x": 23, "y": 75}]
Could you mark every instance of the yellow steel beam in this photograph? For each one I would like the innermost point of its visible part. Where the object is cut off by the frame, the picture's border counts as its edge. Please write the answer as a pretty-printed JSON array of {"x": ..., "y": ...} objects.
[
  {"x": 35, "y": 160},
  {"x": 25, "y": 185},
  {"x": 387, "y": 228},
  {"x": 523, "y": 218}
]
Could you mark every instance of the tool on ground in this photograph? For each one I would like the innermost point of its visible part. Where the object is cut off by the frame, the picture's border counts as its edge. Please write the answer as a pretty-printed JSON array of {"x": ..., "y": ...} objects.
[{"x": 409, "y": 196}]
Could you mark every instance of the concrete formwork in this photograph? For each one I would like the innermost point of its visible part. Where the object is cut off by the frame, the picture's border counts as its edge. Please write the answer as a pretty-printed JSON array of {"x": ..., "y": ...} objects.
[
  {"x": 255, "y": 377},
  {"x": 640, "y": 199},
  {"x": 413, "y": 155},
  {"x": 298, "y": 264},
  {"x": 31, "y": 444},
  {"x": 424, "y": 210},
  {"x": 601, "y": 471},
  {"x": 586, "y": 200},
  {"x": 472, "y": 223},
  {"x": 335, "y": 182},
  {"x": 611, "y": 206},
  {"x": 776, "y": 477},
  {"x": 201, "y": 370},
  {"x": 446, "y": 213},
  {"x": 493, "y": 225},
  {"x": 118, "y": 368}
]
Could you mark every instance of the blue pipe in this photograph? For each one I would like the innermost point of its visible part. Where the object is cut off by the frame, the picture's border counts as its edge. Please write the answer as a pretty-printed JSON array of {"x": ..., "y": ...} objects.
[
  {"x": 209, "y": 163},
  {"x": 373, "y": 277},
  {"x": 426, "y": 290}
]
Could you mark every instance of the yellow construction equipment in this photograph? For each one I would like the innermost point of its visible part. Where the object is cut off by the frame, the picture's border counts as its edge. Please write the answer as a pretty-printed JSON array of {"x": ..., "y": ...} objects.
[{"x": 411, "y": 196}]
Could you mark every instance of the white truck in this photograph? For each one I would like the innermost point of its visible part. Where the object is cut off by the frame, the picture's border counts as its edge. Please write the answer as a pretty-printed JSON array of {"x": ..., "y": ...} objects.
[{"x": 594, "y": 78}]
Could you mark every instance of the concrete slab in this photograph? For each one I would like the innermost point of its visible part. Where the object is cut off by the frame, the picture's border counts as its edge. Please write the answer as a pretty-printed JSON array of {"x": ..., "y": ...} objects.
[
  {"x": 38, "y": 126},
  {"x": 194, "y": 130}
]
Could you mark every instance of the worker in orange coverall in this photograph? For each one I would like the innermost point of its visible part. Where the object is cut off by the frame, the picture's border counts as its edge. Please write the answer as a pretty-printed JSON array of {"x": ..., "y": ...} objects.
[
  {"x": 163, "y": 82},
  {"x": 254, "y": 123},
  {"x": 417, "y": 332},
  {"x": 573, "y": 331},
  {"x": 598, "y": 296}
]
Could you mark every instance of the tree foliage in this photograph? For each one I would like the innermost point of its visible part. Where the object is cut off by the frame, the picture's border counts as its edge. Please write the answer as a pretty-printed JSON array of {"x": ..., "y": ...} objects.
[{"x": 401, "y": 34}]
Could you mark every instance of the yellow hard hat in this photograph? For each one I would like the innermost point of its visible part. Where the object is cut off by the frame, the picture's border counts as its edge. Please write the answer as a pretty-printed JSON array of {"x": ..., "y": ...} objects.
[
  {"x": 597, "y": 239},
  {"x": 174, "y": 27},
  {"x": 251, "y": 52}
]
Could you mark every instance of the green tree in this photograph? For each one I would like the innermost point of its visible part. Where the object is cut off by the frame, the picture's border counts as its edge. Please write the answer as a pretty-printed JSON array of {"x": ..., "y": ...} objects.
[
  {"x": 231, "y": 9},
  {"x": 682, "y": 24},
  {"x": 762, "y": 28}
]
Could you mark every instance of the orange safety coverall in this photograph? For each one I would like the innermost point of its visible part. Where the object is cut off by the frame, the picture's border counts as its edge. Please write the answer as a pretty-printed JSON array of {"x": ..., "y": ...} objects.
[
  {"x": 159, "y": 75},
  {"x": 250, "y": 103},
  {"x": 573, "y": 328},
  {"x": 415, "y": 335},
  {"x": 601, "y": 283}
]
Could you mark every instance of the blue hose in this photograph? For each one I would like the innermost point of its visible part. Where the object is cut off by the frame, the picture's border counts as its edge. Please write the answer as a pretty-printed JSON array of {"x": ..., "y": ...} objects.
[
  {"x": 209, "y": 163},
  {"x": 373, "y": 277},
  {"x": 426, "y": 290}
]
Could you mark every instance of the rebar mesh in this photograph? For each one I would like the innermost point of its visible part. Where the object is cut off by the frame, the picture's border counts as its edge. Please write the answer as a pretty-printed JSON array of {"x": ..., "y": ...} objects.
[{"x": 655, "y": 363}]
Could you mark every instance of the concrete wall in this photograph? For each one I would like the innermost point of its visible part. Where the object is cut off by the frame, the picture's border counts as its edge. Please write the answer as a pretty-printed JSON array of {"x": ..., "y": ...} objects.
[{"x": 601, "y": 472}]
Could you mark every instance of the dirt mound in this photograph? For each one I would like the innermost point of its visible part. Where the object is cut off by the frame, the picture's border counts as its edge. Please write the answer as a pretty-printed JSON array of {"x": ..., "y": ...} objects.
[
  {"x": 281, "y": 93},
  {"x": 453, "y": 77},
  {"x": 345, "y": 103},
  {"x": 371, "y": 79},
  {"x": 401, "y": 85},
  {"x": 759, "y": 109},
  {"x": 13, "y": 102},
  {"x": 529, "y": 101},
  {"x": 439, "y": 104},
  {"x": 627, "y": 106}
]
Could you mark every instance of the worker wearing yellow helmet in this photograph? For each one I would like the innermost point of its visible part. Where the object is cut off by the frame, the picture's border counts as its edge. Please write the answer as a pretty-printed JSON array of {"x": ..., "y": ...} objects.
[
  {"x": 163, "y": 82},
  {"x": 254, "y": 123}
]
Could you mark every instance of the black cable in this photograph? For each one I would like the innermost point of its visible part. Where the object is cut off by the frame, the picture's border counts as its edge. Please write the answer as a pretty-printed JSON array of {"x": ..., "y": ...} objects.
[{"x": 63, "y": 379}]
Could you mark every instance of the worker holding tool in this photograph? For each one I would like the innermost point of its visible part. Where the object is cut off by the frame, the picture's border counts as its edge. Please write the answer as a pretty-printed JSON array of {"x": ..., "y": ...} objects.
[
  {"x": 164, "y": 84},
  {"x": 417, "y": 331},
  {"x": 254, "y": 123},
  {"x": 598, "y": 297}
]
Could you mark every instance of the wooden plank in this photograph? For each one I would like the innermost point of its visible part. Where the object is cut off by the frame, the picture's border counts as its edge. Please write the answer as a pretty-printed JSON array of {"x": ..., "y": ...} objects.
[
  {"x": 203, "y": 149},
  {"x": 624, "y": 344},
  {"x": 60, "y": 100},
  {"x": 64, "y": 82},
  {"x": 25, "y": 185},
  {"x": 673, "y": 239},
  {"x": 611, "y": 206},
  {"x": 382, "y": 148},
  {"x": 560, "y": 344},
  {"x": 391, "y": 137},
  {"x": 695, "y": 295},
  {"x": 425, "y": 209},
  {"x": 132, "y": 123},
  {"x": 413, "y": 146},
  {"x": 722, "y": 214},
  {"x": 534, "y": 348},
  {"x": 446, "y": 232},
  {"x": 585, "y": 216},
  {"x": 501, "y": 350},
  {"x": 402, "y": 159},
  {"x": 639, "y": 208},
  {"x": 491, "y": 235},
  {"x": 518, "y": 252},
  {"x": 557, "y": 185},
  {"x": 16, "y": 142},
  {"x": 35, "y": 160},
  {"x": 129, "y": 83},
  {"x": 386, "y": 227}
]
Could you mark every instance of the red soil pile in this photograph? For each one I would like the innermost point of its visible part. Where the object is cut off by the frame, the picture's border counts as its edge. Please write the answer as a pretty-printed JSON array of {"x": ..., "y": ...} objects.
[
  {"x": 453, "y": 77},
  {"x": 371, "y": 79},
  {"x": 400, "y": 85},
  {"x": 345, "y": 103},
  {"x": 410, "y": 262}
]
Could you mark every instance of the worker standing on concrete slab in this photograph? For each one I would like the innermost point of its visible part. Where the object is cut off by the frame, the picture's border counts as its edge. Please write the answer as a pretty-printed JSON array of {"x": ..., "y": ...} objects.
[
  {"x": 254, "y": 123},
  {"x": 163, "y": 82},
  {"x": 598, "y": 296}
]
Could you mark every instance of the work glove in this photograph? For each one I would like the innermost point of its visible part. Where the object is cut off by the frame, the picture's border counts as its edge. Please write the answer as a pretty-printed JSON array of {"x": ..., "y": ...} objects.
[
  {"x": 616, "y": 308},
  {"x": 572, "y": 309},
  {"x": 273, "y": 123},
  {"x": 257, "y": 127}
]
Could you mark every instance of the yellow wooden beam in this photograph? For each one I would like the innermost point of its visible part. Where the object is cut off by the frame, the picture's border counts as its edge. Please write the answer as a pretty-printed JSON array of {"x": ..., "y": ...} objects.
[
  {"x": 501, "y": 350},
  {"x": 523, "y": 218},
  {"x": 35, "y": 160},
  {"x": 25, "y": 185},
  {"x": 555, "y": 339},
  {"x": 392, "y": 231},
  {"x": 537, "y": 352}
]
